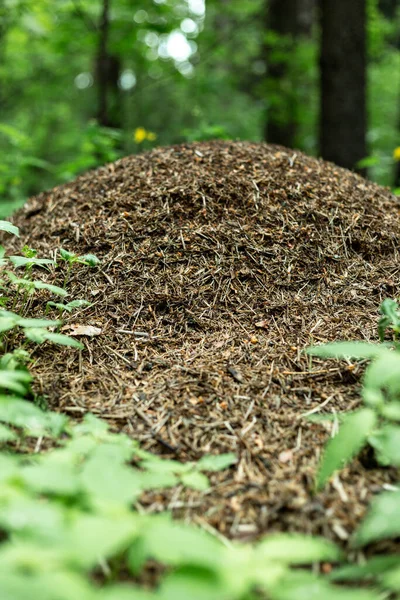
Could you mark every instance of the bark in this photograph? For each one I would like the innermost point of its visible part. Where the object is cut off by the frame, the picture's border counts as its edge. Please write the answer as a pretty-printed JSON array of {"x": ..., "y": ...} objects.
[
  {"x": 343, "y": 61},
  {"x": 107, "y": 74},
  {"x": 282, "y": 20}
]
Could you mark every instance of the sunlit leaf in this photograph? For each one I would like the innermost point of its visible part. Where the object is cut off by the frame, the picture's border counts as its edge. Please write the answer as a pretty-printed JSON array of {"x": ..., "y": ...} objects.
[
  {"x": 297, "y": 549},
  {"x": 352, "y": 436},
  {"x": 382, "y": 520},
  {"x": 9, "y": 228}
]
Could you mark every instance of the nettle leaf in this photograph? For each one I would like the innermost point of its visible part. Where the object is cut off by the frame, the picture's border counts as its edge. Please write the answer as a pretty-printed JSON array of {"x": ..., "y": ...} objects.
[
  {"x": 40, "y": 335},
  {"x": 159, "y": 465},
  {"x": 358, "y": 350},
  {"x": 90, "y": 260},
  {"x": 382, "y": 520},
  {"x": 7, "y": 434},
  {"x": 108, "y": 481},
  {"x": 37, "y": 520},
  {"x": 391, "y": 411},
  {"x": 92, "y": 537},
  {"x": 352, "y": 436},
  {"x": 54, "y": 289},
  {"x": 26, "y": 415},
  {"x": 216, "y": 462},
  {"x": 386, "y": 442},
  {"x": 68, "y": 256},
  {"x": 369, "y": 570},
  {"x": 158, "y": 480},
  {"x": 194, "y": 584},
  {"x": 9, "y": 228},
  {"x": 26, "y": 323},
  {"x": 297, "y": 549},
  {"x": 51, "y": 476},
  {"x": 63, "y": 340},
  {"x": 176, "y": 544},
  {"x": 391, "y": 579},
  {"x": 7, "y": 323},
  {"x": 389, "y": 310},
  {"x": 24, "y": 261},
  {"x": 195, "y": 481},
  {"x": 15, "y": 381},
  {"x": 383, "y": 373},
  {"x": 36, "y": 334},
  {"x": 306, "y": 586}
]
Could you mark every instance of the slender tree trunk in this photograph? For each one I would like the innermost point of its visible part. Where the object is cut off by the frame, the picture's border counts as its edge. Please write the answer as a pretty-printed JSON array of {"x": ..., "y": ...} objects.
[
  {"x": 282, "y": 20},
  {"x": 343, "y": 61},
  {"x": 103, "y": 66}
]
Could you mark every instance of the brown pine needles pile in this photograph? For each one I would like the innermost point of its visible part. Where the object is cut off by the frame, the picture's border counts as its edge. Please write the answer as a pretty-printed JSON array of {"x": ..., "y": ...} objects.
[{"x": 221, "y": 263}]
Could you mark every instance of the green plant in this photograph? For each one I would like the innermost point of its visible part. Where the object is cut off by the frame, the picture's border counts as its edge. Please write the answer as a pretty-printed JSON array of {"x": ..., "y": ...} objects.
[
  {"x": 71, "y": 258},
  {"x": 69, "y": 307},
  {"x": 376, "y": 422},
  {"x": 68, "y": 517}
]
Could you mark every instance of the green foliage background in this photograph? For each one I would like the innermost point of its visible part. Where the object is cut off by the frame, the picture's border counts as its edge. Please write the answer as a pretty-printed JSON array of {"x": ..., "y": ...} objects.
[{"x": 48, "y": 131}]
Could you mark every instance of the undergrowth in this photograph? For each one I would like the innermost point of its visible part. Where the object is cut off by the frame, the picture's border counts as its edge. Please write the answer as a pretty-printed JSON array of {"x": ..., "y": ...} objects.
[{"x": 71, "y": 519}]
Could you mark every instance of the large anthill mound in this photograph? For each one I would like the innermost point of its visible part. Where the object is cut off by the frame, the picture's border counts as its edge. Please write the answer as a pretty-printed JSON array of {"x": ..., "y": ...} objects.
[{"x": 221, "y": 262}]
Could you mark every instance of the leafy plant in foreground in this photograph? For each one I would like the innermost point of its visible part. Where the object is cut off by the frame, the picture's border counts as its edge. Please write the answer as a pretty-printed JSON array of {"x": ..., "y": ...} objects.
[{"x": 376, "y": 423}]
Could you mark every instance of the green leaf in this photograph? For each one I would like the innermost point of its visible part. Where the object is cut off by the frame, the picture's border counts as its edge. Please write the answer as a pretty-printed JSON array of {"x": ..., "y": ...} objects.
[
  {"x": 382, "y": 520},
  {"x": 9, "y": 228},
  {"x": 195, "y": 481},
  {"x": 54, "y": 289},
  {"x": 26, "y": 415},
  {"x": 63, "y": 340},
  {"x": 306, "y": 586},
  {"x": 15, "y": 381},
  {"x": 358, "y": 350},
  {"x": 23, "y": 261},
  {"x": 193, "y": 584},
  {"x": 352, "y": 436},
  {"x": 51, "y": 478},
  {"x": 6, "y": 434},
  {"x": 368, "y": 570},
  {"x": 68, "y": 256},
  {"x": 7, "y": 323},
  {"x": 176, "y": 544},
  {"x": 120, "y": 486},
  {"x": 89, "y": 259},
  {"x": 391, "y": 411},
  {"x": 297, "y": 549},
  {"x": 383, "y": 373},
  {"x": 36, "y": 334},
  {"x": 37, "y": 323},
  {"x": 216, "y": 462},
  {"x": 391, "y": 579},
  {"x": 92, "y": 537},
  {"x": 386, "y": 442}
]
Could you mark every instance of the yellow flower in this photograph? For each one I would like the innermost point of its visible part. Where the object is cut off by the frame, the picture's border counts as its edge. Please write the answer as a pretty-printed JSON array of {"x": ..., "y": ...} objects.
[
  {"x": 139, "y": 135},
  {"x": 396, "y": 153}
]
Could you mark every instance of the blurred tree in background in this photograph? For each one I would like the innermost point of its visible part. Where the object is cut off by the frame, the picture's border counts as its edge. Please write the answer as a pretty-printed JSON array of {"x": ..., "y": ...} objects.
[{"x": 83, "y": 82}]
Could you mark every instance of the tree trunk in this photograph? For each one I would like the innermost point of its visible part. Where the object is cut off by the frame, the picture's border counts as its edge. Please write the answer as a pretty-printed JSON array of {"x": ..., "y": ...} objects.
[
  {"x": 282, "y": 21},
  {"x": 107, "y": 73},
  {"x": 287, "y": 21},
  {"x": 343, "y": 61}
]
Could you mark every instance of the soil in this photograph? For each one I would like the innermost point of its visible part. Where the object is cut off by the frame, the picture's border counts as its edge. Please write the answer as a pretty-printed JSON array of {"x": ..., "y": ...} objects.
[{"x": 221, "y": 262}]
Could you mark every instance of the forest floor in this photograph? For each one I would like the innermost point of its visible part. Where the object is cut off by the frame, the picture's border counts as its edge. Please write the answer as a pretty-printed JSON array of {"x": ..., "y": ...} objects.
[{"x": 222, "y": 262}]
